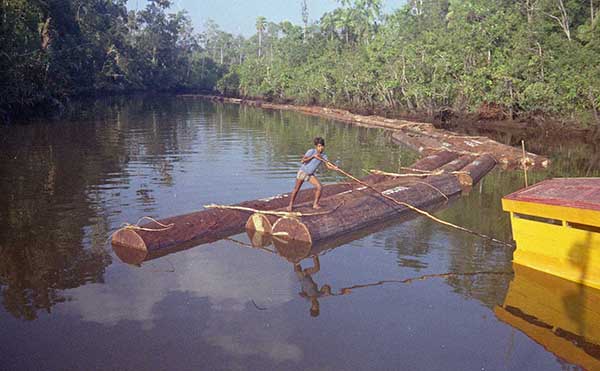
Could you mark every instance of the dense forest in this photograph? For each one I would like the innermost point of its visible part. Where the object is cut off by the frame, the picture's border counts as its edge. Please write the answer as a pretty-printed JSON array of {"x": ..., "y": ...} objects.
[{"x": 509, "y": 57}]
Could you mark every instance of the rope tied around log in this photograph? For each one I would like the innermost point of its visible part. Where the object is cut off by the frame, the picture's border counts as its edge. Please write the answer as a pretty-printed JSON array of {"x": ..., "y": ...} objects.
[
  {"x": 284, "y": 214},
  {"x": 416, "y": 209},
  {"x": 136, "y": 226},
  {"x": 396, "y": 175}
]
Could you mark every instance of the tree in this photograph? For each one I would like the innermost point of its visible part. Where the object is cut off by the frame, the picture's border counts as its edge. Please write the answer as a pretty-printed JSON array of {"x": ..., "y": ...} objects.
[{"x": 261, "y": 23}]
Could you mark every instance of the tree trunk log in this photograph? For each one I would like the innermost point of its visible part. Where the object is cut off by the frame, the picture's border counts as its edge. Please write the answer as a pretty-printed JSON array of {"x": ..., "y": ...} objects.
[
  {"x": 213, "y": 224},
  {"x": 473, "y": 172},
  {"x": 363, "y": 208}
]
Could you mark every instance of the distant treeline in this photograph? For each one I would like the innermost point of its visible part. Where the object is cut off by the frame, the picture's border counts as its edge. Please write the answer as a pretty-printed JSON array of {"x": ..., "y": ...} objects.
[{"x": 507, "y": 57}]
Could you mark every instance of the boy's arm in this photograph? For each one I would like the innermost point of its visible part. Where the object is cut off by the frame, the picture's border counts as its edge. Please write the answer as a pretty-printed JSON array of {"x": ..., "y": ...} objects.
[
  {"x": 329, "y": 165},
  {"x": 309, "y": 155}
]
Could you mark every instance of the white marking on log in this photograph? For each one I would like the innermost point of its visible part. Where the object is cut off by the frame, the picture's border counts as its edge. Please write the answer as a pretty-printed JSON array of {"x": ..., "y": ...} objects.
[
  {"x": 394, "y": 190},
  {"x": 352, "y": 190},
  {"x": 272, "y": 198},
  {"x": 472, "y": 143}
]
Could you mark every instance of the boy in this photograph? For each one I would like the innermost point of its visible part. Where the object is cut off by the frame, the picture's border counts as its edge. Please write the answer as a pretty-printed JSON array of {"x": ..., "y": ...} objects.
[{"x": 310, "y": 163}]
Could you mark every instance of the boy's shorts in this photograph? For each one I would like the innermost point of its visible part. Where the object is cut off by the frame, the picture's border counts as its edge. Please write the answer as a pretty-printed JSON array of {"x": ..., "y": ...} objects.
[{"x": 303, "y": 176}]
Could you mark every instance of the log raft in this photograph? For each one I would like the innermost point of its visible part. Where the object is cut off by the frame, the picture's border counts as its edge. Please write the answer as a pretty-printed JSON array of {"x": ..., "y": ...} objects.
[
  {"x": 364, "y": 207},
  {"x": 359, "y": 210},
  {"x": 152, "y": 240}
]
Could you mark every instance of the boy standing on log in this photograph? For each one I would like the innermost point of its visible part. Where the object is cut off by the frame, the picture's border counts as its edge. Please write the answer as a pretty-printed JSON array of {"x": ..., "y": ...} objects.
[{"x": 310, "y": 163}]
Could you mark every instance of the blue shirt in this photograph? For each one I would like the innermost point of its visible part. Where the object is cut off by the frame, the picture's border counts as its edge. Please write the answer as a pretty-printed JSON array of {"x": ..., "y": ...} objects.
[{"x": 311, "y": 166}]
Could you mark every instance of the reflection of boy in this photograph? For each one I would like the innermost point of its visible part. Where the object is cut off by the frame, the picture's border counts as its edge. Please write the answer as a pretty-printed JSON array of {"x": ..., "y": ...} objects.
[
  {"x": 310, "y": 163},
  {"x": 309, "y": 287}
]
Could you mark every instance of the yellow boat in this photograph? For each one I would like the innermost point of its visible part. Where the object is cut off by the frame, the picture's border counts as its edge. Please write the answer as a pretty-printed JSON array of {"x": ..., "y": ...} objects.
[
  {"x": 556, "y": 226},
  {"x": 560, "y": 315}
]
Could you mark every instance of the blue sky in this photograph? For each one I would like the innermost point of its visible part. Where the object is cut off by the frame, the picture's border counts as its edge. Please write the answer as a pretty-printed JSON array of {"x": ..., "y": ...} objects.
[{"x": 239, "y": 16}]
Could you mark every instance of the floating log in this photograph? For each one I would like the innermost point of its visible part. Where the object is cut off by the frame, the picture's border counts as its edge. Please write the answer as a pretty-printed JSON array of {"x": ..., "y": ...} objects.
[
  {"x": 457, "y": 164},
  {"x": 210, "y": 225},
  {"x": 435, "y": 160},
  {"x": 363, "y": 208},
  {"x": 426, "y": 139},
  {"x": 473, "y": 172}
]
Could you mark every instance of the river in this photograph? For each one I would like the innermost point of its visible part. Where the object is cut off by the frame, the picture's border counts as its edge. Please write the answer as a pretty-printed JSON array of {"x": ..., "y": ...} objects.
[{"x": 68, "y": 302}]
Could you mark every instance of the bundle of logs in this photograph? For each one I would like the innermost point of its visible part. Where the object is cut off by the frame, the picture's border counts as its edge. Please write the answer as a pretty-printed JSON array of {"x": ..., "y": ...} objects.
[{"x": 346, "y": 207}]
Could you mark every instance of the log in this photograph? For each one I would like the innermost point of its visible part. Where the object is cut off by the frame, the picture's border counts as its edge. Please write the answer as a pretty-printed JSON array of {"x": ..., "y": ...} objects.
[
  {"x": 457, "y": 164},
  {"x": 473, "y": 172},
  {"x": 214, "y": 224},
  {"x": 294, "y": 251},
  {"x": 264, "y": 222},
  {"x": 434, "y": 160},
  {"x": 366, "y": 208},
  {"x": 426, "y": 139},
  {"x": 210, "y": 225}
]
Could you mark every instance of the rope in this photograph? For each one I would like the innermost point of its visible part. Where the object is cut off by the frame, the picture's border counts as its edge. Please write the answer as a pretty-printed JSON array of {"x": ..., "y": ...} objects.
[
  {"x": 348, "y": 290},
  {"x": 136, "y": 226},
  {"x": 417, "y": 170},
  {"x": 395, "y": 175},
  {"x": 434, "y": 188},
  {"x": 422, "y": 212},
  {"x": 285, "y": 214}
]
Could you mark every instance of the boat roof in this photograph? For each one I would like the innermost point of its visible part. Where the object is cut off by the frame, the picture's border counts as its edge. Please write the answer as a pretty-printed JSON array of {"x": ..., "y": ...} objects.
[{"x": 579, "y": 193}]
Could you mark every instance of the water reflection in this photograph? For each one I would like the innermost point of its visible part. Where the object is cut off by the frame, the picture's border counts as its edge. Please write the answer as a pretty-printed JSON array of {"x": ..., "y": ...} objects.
[
  {"x": 67, "y": 184},
  {"x": 562, "y": 316}
]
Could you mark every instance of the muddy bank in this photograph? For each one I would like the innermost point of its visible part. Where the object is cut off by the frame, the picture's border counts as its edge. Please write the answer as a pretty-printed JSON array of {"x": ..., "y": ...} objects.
[{"x": 424, "y": 137}]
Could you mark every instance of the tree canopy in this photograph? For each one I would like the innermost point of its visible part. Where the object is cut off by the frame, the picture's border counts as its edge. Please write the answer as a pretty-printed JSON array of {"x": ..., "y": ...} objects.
[{"x": 521, "y": 56}]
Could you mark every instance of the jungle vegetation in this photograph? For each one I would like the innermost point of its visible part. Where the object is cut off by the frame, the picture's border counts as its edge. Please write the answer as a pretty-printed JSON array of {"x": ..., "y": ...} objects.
[{"x": 514, "y": 57}]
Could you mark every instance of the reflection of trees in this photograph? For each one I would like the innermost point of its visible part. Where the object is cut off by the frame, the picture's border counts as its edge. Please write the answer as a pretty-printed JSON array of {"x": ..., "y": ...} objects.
[
  {"x": 45, "y": 210},
  {"x": 62, "y": 181},
  {"x": 53, "y": 192},
  {"x": 281, "y": 133}
]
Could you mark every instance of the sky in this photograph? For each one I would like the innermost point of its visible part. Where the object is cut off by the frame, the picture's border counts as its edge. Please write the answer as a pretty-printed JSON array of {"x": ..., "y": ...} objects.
[{"x": 239, "y": 16}]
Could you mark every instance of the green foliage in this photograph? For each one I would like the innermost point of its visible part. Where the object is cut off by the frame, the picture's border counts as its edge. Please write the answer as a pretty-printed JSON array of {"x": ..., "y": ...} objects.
[
  {"x": 427, "y": 56},
  {"x": 435, "y": 55},
  {"x": 55, "y": 49}
]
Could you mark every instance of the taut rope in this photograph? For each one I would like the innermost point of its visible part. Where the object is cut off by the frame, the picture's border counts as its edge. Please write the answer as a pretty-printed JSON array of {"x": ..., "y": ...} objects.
[{"x": 416, "y": 209}]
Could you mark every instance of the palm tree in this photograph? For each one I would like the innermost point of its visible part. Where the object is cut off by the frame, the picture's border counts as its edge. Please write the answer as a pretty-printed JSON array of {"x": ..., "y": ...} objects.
[{"x": 261, "y": 23}]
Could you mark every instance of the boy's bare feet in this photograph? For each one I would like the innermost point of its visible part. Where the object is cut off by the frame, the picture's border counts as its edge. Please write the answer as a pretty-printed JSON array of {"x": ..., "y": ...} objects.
[
  {"x": 316, "y": 207},
  {"x": 288, "y": 209}
]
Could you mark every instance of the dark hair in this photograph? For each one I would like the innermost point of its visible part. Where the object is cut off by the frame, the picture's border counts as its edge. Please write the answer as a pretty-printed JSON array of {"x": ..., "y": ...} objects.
[{"x": 319, "y": 140}]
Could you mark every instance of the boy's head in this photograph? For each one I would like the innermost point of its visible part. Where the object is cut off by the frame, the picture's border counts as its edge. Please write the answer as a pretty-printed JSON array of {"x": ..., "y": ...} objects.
[{"x": 319, "y": 144}]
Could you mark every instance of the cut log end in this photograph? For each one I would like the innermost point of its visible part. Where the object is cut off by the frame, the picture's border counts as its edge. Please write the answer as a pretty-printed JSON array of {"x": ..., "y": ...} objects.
[
  {"x": 258, "y": 239},
  {"x": 129, "y": 238},
  {"x": 295, "y": 229},
  {"x": 465, "y": 180},
  {"x": 259, "y": 223},
  {"x": 129, "y": 255}
]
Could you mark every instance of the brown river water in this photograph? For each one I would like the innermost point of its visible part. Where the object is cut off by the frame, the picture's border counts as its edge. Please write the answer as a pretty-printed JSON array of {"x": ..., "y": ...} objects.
[{"x": 68, "y": 302}]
